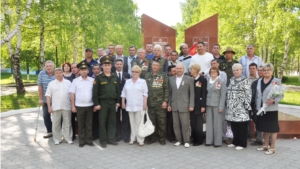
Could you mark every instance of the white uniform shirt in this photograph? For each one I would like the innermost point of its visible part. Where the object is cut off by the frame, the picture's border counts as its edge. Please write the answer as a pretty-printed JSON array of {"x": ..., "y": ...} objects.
[
  {"x": 203, "y": 61},
  {"x": 58, "y": 92},
  {"x": 134, "y": 93},
  {"x": 83, "y": 91}
]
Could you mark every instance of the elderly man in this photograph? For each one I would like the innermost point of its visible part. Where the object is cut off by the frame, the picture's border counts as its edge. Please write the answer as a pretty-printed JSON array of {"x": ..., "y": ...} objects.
[
  {"x": 181, "y": 102},
  {"x": 89, "y": 59},
  {"x": 59, "y": 105},
  {"x": 174, "y": 58},
  {"x": 44, "y": 78},
  {"x": 119, "y": 51},
  {"x": 222, "y": 74},
  {"x": 157, "y": 57},
  {"x": 81, "y": 100},
  {"x": 226, "y": 65},
  {"x": 186, "y": 57},
  {"x": 249, "y": 58},
  {"x": 143, "y": 62},
  {"x": 158, "y": 92},
  {"x": 202, "y": 58},
  {"x": 131, "y": 58},
  {"x": 216, "y": 52},
  {"x": 149, "y": 51}
]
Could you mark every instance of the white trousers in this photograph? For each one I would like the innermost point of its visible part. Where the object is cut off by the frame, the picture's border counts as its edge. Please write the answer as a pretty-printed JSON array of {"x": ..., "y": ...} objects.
[
  {"x": 56, "y": 125},
  {"x": 135, "y": 121}
]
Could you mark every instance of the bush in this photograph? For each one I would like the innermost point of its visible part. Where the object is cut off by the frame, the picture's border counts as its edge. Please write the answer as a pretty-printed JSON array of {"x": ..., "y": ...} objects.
[{"x": 284, "y": 79}]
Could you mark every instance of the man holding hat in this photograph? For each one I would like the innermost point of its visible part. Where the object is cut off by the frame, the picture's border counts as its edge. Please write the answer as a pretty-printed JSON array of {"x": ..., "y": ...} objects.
[
  {"x": 226, "y": 65},
  {"x": 89, "y": 59},
  {"x": 106, "y": 98},
  {"x": 82, "y": 103}
]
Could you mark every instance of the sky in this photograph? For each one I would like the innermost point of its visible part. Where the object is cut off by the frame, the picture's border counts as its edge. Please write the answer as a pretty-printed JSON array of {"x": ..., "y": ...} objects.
[{"x": 165, "y": 11}]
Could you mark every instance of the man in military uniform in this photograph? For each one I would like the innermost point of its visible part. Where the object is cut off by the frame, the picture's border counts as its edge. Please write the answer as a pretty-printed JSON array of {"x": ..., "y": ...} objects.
[
  {"x": 226, "y": 65},
  {"x": 106, "y": 97},
  {"x": 158, "y": 92},
  {"x": 143, "y": 62},
  {"x": 158, "y": 57}
]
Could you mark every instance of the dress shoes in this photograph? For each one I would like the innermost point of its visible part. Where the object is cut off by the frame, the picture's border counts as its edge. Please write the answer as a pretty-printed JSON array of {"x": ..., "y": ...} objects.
[
  {"x": 103, "y": 145},
  {"x": 162, "y": 142},
  {"x": 113, "y": 143},
  {"x": 90, "y": 144},
  {"x": 208, "y": 145},
  {"x": 48, "y": 135},
  {"x": 81, "y": 145},
  {"x": 216, "y": 146}
]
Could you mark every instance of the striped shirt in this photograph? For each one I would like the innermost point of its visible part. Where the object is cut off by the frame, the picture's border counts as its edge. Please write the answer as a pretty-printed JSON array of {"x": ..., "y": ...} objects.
[
  {"x": 43, "y": 80},
  {"x": 246, "y": 62}
]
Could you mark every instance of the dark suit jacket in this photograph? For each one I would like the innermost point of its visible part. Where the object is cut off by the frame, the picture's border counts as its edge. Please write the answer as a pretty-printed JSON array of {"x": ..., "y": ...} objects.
[
  {"x": 121, "y": 83},
  {"x": 200, "y": 94},
  {"x": 125, "y": 64}
]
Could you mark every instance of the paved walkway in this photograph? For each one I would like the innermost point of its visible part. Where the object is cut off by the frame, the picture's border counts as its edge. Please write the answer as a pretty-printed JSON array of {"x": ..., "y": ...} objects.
[{"x": 18, "y": 150}]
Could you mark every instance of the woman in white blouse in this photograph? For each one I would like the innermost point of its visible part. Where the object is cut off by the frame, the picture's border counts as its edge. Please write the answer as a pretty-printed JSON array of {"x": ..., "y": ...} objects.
[{"x": 135, "y": 92}]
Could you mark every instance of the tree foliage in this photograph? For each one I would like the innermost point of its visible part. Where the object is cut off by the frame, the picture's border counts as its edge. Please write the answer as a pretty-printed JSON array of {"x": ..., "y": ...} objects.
[{"x": 265, "y": 23}]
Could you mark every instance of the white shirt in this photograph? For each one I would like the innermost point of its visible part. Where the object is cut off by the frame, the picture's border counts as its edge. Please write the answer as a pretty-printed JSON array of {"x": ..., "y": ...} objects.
[
  {"x": 58, "y": 92},
  {"x": 203, "y": 61},
  {"x": 222, "y": 76},
  {"x": 134, "y": 93},
  {"x": 130, "y": 59},
  {"x": 178, "y": 81},
  {"x": 121, "y": 74},
  {"x": 83, "y": 91}
]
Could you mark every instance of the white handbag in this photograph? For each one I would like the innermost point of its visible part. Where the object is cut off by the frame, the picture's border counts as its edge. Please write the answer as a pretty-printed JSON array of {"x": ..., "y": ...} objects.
[{"x": 147, "y": 128}]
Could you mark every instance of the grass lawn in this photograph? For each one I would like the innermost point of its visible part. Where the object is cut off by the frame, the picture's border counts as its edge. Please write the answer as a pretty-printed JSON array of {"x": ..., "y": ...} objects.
[
  {"x": 292, "y": 80},
  {"x": 14, "y": 101},
  {"x": 291, "y": 98},
  {"x": 6, "y": 78}
]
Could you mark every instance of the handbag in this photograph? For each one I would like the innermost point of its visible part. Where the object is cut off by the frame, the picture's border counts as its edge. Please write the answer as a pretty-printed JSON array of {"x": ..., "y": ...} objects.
[
  {"x": 147, "y": 128},
  {"x": 229, "y": 133}
]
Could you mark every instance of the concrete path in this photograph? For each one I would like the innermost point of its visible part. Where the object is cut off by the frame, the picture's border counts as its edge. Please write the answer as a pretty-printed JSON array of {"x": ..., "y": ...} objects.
[
  {"x": 11, "y": 90},
  {"x": 18, "y": 150}
]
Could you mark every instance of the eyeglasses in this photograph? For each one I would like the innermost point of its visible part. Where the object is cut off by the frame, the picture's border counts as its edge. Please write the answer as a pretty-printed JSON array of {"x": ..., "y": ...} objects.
[
  {"x": 135, "y": 72},
  {"x": 267, "y": 70}
]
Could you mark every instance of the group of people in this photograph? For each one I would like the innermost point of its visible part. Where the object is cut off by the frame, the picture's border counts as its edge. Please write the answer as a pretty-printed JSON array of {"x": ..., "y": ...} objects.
[{"x": 110, "y": 95}]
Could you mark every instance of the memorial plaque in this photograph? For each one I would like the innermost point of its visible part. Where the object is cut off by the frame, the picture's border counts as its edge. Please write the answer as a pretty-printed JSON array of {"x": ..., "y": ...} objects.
[
  {"x": 205, "y": 31},
  {"x": 156, "y": 32}
]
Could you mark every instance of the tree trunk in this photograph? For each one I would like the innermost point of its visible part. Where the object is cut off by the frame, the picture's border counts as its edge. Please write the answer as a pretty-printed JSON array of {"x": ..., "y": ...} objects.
[
  {"x": 42, "y": 48},
  {"x": 11, "y": 34},
  {"x": 269, "y": 54},
  {"x": 265, "y": 53},
  {"x": 285, "y": 58},
  {"x": 261, "y": 53}
]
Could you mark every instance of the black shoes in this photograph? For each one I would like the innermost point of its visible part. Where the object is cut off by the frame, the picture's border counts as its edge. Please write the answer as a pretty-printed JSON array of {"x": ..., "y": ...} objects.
[
  {"x": 215, "y": 146},
  {"x": 208, "y": 144},
  {"x": 90, "y": 144},
  {"x": 162, "y": 142},
  {"x": 81, "y": 145},
  {"x": 256, "y": 143},
  {"x": 103, "y": 145},
  {"x": 48, "y": 135},
  {"x": 113, "y": 143}
]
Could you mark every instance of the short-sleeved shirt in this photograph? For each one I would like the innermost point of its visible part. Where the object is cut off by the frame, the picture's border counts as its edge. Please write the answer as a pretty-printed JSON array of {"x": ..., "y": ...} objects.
[
  {"x": 83, "y": 91},
  {"x": 43, "y": 80},
  {"x": 246, "y": 62},
  {"x": 58, "y": 92}
]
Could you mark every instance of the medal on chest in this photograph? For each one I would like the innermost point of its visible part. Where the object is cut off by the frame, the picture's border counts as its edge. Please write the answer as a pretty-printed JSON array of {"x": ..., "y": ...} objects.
[{"x": 218, "y": 85}]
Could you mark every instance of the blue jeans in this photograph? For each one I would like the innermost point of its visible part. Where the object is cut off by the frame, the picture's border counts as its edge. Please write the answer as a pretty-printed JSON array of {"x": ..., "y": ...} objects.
[{"x": 47, "y": 118}]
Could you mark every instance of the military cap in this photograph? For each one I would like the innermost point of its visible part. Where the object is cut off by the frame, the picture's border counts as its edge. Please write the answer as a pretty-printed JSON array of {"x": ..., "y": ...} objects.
[
  {"x": 106, "y": 60},
  {"x": 83, "y": 65}
]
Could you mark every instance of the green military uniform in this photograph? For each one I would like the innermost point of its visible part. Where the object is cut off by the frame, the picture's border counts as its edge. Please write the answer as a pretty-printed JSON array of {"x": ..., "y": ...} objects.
[
  {"x": 158, "y": 92},
  {"x": 106, "y": 93},
  {"x": 227, "y": 68},
  {"x": 144, "y": 64}
]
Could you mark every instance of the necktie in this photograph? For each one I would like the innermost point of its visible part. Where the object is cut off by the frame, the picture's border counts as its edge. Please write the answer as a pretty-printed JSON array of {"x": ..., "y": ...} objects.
[{"x": 120, "y": 77}]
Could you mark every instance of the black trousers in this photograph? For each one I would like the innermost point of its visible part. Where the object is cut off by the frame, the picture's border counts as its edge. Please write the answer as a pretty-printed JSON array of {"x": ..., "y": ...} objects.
[
  {"x": 239, "y": 130},
  {"x": 73, "y": 123},
  {"x": 95, "y": 125},
  {"x": 123, "y": 127},
  {"x": 197, "y": 127},
  {"x": 170, "y": 129}
]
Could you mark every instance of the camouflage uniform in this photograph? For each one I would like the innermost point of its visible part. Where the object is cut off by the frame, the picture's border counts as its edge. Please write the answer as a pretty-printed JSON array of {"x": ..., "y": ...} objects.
[
  {"x": 158, "y": 92},
  {"x": 145, "y": 65},
  {"x": 227, "y": 68}
]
